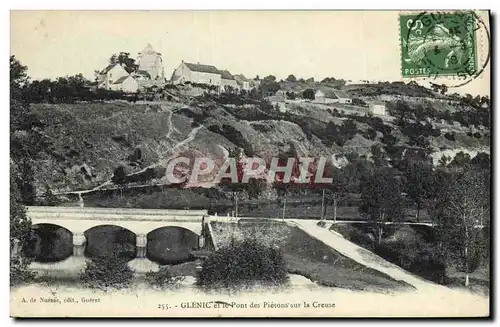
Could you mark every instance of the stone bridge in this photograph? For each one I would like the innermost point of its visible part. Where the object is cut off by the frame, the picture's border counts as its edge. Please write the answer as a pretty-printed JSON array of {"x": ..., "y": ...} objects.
[{"x": 141, "y": 222}]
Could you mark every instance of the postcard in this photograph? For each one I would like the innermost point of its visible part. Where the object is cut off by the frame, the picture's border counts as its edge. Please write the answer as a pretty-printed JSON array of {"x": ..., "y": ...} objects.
[{"x": 250, "y": 164}]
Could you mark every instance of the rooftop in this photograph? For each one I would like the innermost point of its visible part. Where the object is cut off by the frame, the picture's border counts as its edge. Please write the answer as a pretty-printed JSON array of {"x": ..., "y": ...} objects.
[
  {"x": 203, "y": 68},
  {"x": 226, "y": 75},
  {"x": 108, "y": 68},
  {"x": 121, "y": 79}
]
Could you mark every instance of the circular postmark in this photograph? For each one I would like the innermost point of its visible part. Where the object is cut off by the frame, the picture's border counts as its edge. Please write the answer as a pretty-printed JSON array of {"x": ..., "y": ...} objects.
[{"x": 444, "y": 44}]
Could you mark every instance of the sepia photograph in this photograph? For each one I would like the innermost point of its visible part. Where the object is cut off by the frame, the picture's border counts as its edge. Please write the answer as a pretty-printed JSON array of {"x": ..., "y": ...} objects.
[{"x": 210, "y": 163}]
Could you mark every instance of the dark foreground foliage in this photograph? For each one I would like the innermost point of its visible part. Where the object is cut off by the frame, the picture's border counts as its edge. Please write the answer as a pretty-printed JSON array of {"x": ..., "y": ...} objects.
[
  {"x": 162, "y": 278},
  {"x": 243, "y": 264},
  {"x": 20, "y": 272},
  {"x": 107, "y": 271}
]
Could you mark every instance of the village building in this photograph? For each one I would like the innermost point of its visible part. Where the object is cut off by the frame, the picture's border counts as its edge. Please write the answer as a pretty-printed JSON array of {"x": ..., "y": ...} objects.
[
  {"x": 142, "y": 75},
  {"x": 126, "y": 84},
  {"x": 228, "y": 81},
  {"x": 377, "y": 108},
  {"x": 325, "y": 95},
  {"x": 149, "y": 61},
  {"x": 279, "y": 96},
  {"x": 109, "y": 75},
  {"x": 196, "y": 73},
  {"x": 243, "y": 82},
  {"x": 342, "y": 97}
]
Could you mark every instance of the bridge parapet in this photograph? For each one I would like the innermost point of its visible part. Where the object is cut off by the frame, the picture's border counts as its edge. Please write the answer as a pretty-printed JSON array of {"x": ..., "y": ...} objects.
[
  {"x": 112, "y": 214},
  {"x": 117, "y": 211}
]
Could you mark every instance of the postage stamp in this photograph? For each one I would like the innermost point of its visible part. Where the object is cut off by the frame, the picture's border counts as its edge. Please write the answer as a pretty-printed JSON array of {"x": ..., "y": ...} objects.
[{"x": 438, "y": 44}]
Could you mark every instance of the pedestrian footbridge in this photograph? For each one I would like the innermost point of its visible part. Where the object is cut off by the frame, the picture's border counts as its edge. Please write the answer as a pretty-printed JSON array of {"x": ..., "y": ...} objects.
[{"x": 139, "y": 222}]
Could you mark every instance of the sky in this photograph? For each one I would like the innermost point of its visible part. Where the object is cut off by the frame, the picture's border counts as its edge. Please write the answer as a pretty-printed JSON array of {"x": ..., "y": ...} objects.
[{"x": 353, "y": 45}]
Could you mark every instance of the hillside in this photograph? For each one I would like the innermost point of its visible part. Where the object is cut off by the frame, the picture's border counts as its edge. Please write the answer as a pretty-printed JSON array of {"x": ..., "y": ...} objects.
[{"x": 90, "y": 140}]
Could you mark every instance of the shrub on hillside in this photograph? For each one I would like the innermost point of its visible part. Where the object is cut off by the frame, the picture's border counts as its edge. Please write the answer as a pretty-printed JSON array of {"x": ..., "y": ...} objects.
[
  {"x": 450, "y": 136},
  {"x": 20, "y": 272},
  {"x": 243, "y": 263},
  {"x": 370, "y": 134},
  {"x": 162, "y": 278},
  {"x": 107, "y": 271}
]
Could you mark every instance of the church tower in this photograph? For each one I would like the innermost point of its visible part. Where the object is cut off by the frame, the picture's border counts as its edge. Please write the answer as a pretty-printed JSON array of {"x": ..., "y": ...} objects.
[{"x": 151, "y": 62}]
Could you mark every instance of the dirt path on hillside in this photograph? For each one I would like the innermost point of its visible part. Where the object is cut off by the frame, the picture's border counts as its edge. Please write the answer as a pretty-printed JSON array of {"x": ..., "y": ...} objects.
[
  {"x": 363, "y": 256},
  {"x": 178, "y": 144}
]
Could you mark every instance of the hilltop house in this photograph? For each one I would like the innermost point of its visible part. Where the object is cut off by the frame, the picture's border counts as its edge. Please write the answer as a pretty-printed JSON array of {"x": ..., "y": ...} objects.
[
  {"x": 342, "y": 96},
  {"x": 228, "y": 81},
  {"x": 243, "y": 82},
  {"x": 150, "y": 63},
  {"x": 109, "y": 75},
  {"x": 325, "y": 95},
  {"x": 210, "y": 75},
  {"x": 142, "y": 75},
  {"x": 127, "y": 84},
  {"x": 377, "y": 108},
  {"x": 328, "y": 95},
  {"x": 196, "y": 73},
  {"x": 279, "y": 96}
]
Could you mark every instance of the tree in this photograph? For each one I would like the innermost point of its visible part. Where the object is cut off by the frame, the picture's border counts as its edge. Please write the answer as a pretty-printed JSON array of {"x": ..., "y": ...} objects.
[
  {"x": 228, "y": 185},
  {"x": 123, "y": 58},
  {"x": 462, "y": 211},
  {"x": 461, "y": 159},
  {"x": 340, "y": 188},
  {"x": 291, "y": 78},
  {"x": 419, "y": 183},
  {"x": 381, "y": 200},
  {"x": 308, "y": 94},
  {"x": 20, "y": 225},
  {"x": 270, "y": 78},
  {"x": 269, "y": 87},
  {"x": 20, "y": 233},
  {"x": 26, "y": 143},
  {"x": 482, "y": 160},
  {"x": 378, "y": 156},
  {"x": 18, "y": 77},
  {"x": 120, "y": 176},
  {"x": 49, "y": 198}
]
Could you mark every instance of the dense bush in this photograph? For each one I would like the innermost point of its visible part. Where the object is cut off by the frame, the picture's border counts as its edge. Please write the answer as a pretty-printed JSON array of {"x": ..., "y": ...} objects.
[
  {"x": 162, "y": 278},
  {"x": 243, "y": 264},
  {"x": 370, "y": 134},
  {"x": 450, "y": 136},
  {"x": 107, "y": 271},
  {"x": 233, "y": 135},
  {"x": 20, "y": 272},
  {"x": 308, "y": 94},
  {"x": 321, "y": 223}
]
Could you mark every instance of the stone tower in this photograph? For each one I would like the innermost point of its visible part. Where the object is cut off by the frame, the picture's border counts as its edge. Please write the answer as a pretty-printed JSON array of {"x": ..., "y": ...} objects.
[{"x": 150, "y": 61}]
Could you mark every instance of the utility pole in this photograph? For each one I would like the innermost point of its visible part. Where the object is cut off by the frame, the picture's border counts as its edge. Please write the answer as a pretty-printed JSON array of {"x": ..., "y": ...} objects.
[
  {"x": 236, "y": 204},
  {"x": 284, "y": 206},
  {"x": 323, "y": 206},
  {"x": 334, "y": 208}
]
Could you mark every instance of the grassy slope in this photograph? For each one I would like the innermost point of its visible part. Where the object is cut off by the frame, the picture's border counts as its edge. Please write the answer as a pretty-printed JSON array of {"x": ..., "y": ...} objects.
[
  {"x": 414, "y": 237},
  {"x": 103, "y": 136},
  {"x": 309, "y": 257}
]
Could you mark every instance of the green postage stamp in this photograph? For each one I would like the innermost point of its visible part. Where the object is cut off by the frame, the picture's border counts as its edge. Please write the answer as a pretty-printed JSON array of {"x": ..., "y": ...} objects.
[{"x": 438, "y": 44}]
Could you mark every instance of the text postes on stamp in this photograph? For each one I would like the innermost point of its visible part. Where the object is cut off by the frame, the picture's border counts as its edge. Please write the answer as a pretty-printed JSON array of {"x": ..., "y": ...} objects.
[{"x": 438, "y": 44}]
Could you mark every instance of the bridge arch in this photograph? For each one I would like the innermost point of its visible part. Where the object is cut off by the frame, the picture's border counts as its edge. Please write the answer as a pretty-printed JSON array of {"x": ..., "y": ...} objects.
[
  {"x": 110, "y": 240},
  {"x": 171, "y": 244},
  {"x": 50, "y": 243}
]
